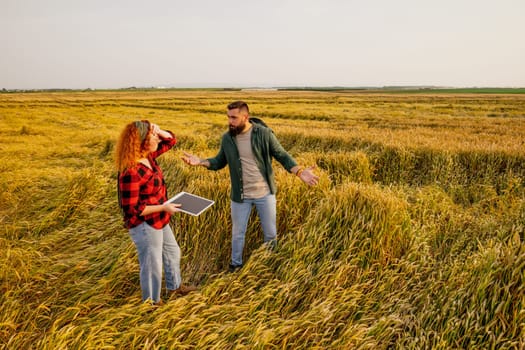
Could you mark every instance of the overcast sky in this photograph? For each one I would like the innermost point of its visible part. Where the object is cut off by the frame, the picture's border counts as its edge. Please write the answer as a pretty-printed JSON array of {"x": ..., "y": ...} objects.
[{"x": 210, "y": 43}]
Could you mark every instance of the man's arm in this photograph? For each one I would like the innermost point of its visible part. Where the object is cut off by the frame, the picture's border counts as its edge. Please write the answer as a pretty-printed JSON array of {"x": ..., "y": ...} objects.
[
  {"x": 279, "y": 153},
  {"x": 306, "y": 174},
  {"x": 214, "y": 163},
  {"x": 191, "y": 159}
]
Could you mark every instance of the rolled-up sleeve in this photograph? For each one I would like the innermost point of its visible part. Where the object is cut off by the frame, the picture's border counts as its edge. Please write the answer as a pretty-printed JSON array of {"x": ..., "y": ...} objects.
[
  {"x": 219, "y": 161},
  {"x": 279, "y": 153},
  {"x": 165, "y": 145}
]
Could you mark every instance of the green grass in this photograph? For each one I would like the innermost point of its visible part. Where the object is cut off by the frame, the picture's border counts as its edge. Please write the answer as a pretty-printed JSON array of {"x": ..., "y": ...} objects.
[{"x": 413, "y": 238}]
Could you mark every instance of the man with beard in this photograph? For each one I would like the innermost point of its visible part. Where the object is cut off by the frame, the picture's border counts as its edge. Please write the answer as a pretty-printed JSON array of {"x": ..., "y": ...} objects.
[{"x": 248, "y": 149}]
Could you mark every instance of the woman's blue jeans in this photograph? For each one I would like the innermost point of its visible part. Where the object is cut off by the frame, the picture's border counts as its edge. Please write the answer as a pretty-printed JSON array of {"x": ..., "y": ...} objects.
[
  {"x": 240, "y": 213},
  {"x": 156, "y": 249}
]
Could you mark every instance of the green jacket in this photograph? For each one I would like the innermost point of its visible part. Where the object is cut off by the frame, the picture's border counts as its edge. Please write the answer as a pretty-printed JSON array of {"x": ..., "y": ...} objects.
[{"x": 264, "y": 145}]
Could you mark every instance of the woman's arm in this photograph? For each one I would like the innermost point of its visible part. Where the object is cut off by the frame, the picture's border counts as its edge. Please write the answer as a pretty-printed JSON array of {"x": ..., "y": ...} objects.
[{"x": 167, "y": 207}]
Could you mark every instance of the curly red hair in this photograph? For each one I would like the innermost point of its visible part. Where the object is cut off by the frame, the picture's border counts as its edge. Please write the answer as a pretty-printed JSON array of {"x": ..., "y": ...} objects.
[{"x": 130, "y": 148}]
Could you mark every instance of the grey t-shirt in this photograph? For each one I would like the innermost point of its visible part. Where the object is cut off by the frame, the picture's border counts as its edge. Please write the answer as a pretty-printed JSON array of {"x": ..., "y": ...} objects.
[{"x": 254, "y": 184}]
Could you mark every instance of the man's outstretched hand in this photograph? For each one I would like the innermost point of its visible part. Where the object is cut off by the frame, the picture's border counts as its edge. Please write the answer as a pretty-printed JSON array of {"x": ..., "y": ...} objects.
[
  {"x": 191, "y": 159},
  {"x": 308, "y": 176}
]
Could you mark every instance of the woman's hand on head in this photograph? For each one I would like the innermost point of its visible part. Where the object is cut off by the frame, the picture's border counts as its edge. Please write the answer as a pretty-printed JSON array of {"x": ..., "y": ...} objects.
[
  {"x": 155, "y": 129},
  {"x": 163, "y": 134}
]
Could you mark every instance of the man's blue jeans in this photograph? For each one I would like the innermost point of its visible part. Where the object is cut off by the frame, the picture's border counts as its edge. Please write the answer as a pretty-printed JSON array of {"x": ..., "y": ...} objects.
[
  {"x": 156, "y": 248},
  {"x": 240, "y": 213}
]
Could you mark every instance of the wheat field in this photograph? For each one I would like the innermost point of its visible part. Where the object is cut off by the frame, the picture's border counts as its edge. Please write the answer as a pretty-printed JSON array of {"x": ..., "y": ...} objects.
[{"x": 413, "y": 239}]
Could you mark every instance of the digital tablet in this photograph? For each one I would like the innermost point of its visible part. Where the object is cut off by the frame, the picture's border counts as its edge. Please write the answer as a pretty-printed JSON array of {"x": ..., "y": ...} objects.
[{"x": 190, "y": 203}]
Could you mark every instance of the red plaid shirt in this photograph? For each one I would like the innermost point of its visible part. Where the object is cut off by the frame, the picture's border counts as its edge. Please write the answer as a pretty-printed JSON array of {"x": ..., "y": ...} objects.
[{"x": 140, "y": 186}]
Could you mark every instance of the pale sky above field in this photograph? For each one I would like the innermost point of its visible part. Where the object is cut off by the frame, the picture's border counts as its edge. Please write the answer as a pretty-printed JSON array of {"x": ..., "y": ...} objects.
[{"x": 228, "y": 43}]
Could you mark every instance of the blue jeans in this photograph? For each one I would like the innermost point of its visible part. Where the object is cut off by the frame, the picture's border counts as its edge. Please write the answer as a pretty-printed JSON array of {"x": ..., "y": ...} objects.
[
  {"x": 240, "y": 213},
  {"x": 156, "y": 248}
]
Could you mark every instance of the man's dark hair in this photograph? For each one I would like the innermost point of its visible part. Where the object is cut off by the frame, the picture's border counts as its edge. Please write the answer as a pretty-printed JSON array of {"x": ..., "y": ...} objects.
[{"x": 239, "y": 104}]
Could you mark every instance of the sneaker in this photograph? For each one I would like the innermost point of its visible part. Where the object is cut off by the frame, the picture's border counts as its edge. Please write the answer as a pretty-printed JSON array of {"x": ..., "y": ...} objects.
[
  {"x": 181, "y": 291},
  {"x": 234, "y": 268}
]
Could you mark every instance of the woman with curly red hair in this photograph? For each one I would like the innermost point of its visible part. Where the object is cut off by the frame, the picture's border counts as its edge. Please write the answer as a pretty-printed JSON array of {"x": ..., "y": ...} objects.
[{"x": 142, "y": 197}]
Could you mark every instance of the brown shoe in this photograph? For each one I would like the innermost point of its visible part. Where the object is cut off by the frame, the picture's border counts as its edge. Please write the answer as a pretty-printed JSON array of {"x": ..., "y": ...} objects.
[
  {"x": 154, "y": 305},
  {"x": 182, "y": 291}
]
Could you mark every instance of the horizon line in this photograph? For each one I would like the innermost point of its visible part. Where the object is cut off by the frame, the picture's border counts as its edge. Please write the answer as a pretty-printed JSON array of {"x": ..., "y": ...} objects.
[{"x": 266, "y": 87}]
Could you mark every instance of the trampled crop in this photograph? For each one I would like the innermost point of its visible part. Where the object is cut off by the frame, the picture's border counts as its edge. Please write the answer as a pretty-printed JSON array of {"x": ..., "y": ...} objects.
[{"x": 413, "y": 239}]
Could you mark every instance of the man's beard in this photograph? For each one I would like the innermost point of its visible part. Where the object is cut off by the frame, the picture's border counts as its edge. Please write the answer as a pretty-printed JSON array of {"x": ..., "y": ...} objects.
[{"x": 236, "y": 130}]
